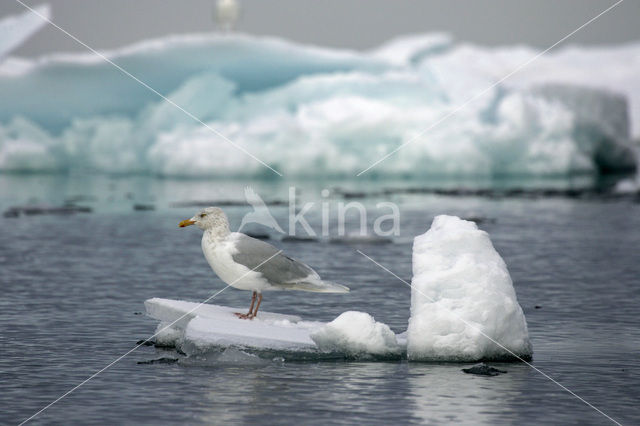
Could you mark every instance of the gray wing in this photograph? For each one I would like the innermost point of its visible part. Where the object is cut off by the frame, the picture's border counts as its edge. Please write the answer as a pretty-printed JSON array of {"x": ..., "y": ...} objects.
[{"x": 280, "y": 270}]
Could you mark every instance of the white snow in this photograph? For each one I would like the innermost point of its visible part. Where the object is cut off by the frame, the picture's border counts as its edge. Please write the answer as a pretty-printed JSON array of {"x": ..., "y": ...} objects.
[
  {"x": 357, "y": 333},
  {"x": 462, "y": 298}
]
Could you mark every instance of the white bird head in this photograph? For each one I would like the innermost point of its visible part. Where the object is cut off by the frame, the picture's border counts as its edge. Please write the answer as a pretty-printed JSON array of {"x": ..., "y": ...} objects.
[{"x": 210, "y": 218}]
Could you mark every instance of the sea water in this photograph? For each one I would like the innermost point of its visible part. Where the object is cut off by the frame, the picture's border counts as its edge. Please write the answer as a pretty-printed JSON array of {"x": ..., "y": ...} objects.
[{"x": 73, "y": 288}]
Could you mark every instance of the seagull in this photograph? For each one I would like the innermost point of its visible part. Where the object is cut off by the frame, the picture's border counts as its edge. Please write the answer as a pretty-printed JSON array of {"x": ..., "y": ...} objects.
[
  {"x": 250, "y": 264},
  {"x": 226, "y": 13},
  {"x": 260, "y": 213}
]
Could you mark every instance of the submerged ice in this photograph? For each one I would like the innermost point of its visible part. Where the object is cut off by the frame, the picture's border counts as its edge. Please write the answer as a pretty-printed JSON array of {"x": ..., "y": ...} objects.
[
  {"x": 463, "y": 308},
  {"x": 306, "y": 110}
]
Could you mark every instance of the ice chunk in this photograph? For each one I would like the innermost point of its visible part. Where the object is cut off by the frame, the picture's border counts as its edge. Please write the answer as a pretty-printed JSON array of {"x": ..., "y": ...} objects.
[
  {"x": 628, "y": 186},
  {"x": 357, "y": 334},
  {"x": 462, "y": 298},
  {"x": 609, "y": 68},
  {"x": 166, "y": 64},
  {"x": 199, "y": 327},
  {"x": 230, "y": 356},
  {"x": 206, "y": 329},
  {"x": 601, "y": 123},
  {"x": 168, "y": 335},
  {"x": 14, "y": 30},
  {"x": 612, "y": 68}
]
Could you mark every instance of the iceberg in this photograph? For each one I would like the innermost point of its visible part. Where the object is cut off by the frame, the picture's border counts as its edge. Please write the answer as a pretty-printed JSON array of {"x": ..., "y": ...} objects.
[
  {"x": 306, "y": 110},
  {"x": 463, "y": 309},
  {"x": 15, "y": 30},
  {"x": 463, "y": 304}
]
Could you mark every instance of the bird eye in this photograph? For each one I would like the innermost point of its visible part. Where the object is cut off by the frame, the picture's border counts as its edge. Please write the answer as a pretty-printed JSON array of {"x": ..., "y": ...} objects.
[{"x": 203, "y": 214}]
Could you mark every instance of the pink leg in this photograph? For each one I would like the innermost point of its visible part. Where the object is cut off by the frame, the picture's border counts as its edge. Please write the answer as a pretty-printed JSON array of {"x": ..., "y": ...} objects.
[
  {"x": 255, "y": 313},
  {"x": 248, "y": 315}
]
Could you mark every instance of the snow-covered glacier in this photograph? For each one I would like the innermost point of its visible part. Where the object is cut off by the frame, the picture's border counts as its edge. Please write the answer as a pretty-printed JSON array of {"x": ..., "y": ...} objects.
[{"x": 308, "y": 110}]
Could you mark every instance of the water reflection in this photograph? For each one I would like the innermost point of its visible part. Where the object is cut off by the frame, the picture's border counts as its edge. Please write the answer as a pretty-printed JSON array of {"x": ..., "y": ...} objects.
[
  {"x": 309, "y": 392},
  {"x": 443, "y": 393}
]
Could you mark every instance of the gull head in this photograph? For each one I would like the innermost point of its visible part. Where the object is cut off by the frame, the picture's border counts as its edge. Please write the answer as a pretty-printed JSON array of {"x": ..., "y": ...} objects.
[{"x": 210, "y": 218}]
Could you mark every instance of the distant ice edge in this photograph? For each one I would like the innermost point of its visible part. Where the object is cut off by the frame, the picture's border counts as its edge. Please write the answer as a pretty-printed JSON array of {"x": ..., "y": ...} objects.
[{"x": 461, "y": 296}]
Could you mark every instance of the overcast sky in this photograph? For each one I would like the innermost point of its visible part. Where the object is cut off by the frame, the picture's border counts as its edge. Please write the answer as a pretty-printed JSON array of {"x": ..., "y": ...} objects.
[{"x": 337, "y": 23}]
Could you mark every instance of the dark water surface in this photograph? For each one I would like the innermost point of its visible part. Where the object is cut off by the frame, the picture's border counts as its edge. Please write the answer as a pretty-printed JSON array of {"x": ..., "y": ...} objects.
[{"x": 73, "y": 288}]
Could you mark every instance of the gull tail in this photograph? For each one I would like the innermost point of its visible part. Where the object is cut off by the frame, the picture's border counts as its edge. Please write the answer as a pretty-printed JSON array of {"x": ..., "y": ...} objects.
[{"x": 318, "y": 287}]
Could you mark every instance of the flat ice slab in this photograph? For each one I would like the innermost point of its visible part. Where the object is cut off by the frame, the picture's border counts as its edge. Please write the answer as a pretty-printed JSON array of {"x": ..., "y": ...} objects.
[{"x": 196, "y": 327}]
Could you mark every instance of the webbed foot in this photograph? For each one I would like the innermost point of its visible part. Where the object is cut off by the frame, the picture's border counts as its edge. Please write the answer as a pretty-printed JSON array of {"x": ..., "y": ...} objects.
[{"x": 248, "y": 316}]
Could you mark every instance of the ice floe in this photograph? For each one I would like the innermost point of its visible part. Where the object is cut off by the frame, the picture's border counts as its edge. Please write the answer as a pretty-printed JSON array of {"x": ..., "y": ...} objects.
[{"x": 463, "y": 308}]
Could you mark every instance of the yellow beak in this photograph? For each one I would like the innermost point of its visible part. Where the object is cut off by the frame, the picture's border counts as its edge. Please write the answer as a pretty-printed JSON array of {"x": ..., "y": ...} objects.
[{"x": 186, "y": 222}]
